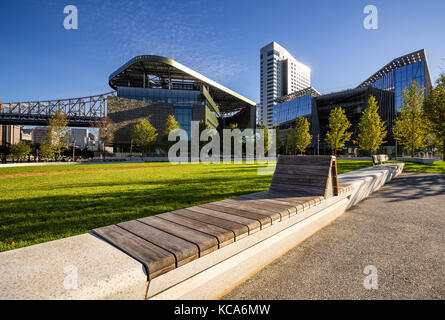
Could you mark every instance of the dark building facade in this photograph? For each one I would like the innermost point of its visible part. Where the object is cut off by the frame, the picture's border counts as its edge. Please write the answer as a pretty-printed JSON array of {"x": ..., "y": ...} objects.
[
  {"x": 154, "y": 87},
  {"x": 386, "y": 85}
]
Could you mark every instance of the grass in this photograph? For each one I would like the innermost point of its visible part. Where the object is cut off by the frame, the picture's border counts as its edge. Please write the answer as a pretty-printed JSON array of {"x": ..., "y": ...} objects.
[
  {"x": 436, "y": 167},
  {"x": 44, "y": 203}
]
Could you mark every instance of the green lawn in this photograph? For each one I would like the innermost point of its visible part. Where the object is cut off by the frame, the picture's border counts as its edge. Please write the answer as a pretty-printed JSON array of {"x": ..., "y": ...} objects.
[
  {"x": 436, "y": 167},
  {"x": 39, "y": 204}
]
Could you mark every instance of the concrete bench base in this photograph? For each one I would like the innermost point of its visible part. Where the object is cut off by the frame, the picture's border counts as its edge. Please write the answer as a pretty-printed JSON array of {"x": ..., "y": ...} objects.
[
  {"x": 48, "y": 270},
  {"x": 222, "y": 276}
]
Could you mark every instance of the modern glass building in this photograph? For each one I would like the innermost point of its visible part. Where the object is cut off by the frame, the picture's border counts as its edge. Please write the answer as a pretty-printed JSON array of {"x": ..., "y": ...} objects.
[
  {"x": 294, "y": 105},
  {"x": 400, "y": 73},
  {"x": 153, "y": 87},
  {"x": 182, "y": 101},
  {"x": 386, "y": 85}
]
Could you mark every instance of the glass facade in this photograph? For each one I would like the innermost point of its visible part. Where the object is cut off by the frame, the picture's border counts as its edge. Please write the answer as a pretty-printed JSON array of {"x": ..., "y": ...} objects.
[
  {"x": 405, "y": 75},
  {"x": 183, "y": 114},
  {"x": 160, "y": 95},
  {"x": 292, "y": 109},
  {"x": 182, "y": 100},
  {"x": 397, "y": 80}
]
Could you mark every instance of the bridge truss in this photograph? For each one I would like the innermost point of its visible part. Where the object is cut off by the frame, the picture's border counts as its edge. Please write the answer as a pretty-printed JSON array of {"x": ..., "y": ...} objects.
[{"x": 80, "y": 112}]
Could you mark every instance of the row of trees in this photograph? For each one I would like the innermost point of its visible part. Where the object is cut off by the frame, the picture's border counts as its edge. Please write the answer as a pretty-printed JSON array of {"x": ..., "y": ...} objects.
[
  {"x": 420, "y": 124},
  {"x": 145, "y": 137},
  {"x": 371, "y": 135}
]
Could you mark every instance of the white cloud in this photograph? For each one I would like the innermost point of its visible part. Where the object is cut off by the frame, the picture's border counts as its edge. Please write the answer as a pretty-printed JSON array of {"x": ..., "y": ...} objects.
[{"x": 182, "y": 31}]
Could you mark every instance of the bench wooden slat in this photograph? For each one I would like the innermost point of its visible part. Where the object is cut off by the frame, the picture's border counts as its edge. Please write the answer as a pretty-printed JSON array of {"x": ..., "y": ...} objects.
[
  {"x": 299, "y": 200},
  {"x": 205, "y": 242},
  {"x": 272, "y": 213},
  {"x": 224, "y": 236},
  {"x": 299, "y": 205},
  {"x": 301, "y": 170},
  {"x": 240, "y": 230},
  {"x": 306, "y": 201},
  {"x": 316, "y": 181},
  {"x": 251, "y": 224},
  {"x": 265, "y": 221},
  {"x": 308, "y": 190},
  {"x": 264, "y": 197},
  {"x": 155, "y": 259},
  {"x": 184, "y": 251},
  {"x": 260, "y": 201},
  {"x": 310, "y": 175},
  {"x": 305, "y": 160}
]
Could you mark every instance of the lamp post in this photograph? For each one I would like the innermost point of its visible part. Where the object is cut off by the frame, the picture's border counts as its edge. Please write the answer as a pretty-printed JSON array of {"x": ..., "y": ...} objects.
[
  {"x": 131, "y": 148},
  {"x": 396, "y": 149},
  {"x": 74, "y": 150},
  {"x": 318, "y": 144}
]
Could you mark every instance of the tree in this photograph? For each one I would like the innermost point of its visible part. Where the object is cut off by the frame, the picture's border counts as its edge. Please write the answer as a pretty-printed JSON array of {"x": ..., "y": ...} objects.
[
  {"x": 411, "y": 125},
  {"x": 20, "y": 150},
  {"x": 337, "y": 134},
  {"x": 432, "y": 142},
  {"x": 302, "y": 136},
  {"x": 106, "y": 131},
  {"x": 46, "y": 149},
  {"x": 170, "y": 125},
  {"x": 435, "y": 112},
  {"x": 4, "y": 151},
  {"x": 232, "y": 126},
  {"x": 440, "y": 82},
  {"x": 290, "y": 142},
  {"x": 372, "y": 130},
  {"x": 56, "y": 137},
  {"x": 143, "y": 134}
]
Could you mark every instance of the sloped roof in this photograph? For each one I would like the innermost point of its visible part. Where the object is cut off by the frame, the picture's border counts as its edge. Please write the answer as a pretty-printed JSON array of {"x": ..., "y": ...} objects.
[
  {"x": 132, "y": 72},
  {"x": 410, "y": 58}
]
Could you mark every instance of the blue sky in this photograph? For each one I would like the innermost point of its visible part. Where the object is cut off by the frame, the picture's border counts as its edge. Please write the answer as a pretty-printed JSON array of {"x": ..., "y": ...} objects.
[{"x": 41, "y": 60}]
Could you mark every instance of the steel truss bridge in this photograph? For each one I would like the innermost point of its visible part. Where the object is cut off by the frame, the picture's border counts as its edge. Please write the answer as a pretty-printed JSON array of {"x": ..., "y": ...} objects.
[{"x": 80, "y": 112}]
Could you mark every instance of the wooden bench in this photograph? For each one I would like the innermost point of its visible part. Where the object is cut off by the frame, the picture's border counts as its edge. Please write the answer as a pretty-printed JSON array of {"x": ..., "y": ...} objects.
[
  {"x": 379, "y": 158},
  {"x": 169, "y": 240}
]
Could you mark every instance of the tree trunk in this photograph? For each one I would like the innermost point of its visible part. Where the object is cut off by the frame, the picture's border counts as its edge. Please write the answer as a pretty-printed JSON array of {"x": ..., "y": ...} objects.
[{"x": 443, "y": 150}]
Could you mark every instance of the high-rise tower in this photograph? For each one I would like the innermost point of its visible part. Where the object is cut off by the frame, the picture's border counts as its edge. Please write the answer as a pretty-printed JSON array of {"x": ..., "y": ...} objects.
[{"x": 280, "y": 74}]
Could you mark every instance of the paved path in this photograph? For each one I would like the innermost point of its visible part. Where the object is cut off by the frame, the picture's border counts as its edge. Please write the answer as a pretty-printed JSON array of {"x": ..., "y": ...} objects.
[{"x": 400, "y": 230}]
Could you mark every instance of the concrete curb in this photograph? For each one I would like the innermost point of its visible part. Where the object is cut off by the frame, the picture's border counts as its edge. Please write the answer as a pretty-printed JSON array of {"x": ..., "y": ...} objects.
[
  {"x": 38, "y": 164},
  {"x": 49, "y": 270}
]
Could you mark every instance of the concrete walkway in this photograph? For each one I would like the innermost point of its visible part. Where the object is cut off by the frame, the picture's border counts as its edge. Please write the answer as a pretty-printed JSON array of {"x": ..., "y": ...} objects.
[{"x": 400, "y": 230}]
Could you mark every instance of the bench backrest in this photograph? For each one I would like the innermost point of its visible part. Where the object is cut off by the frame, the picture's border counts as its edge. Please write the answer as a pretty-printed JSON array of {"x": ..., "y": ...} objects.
[
  {"x": 306, "y": 175},
  {"x": 379, "y": 158}
]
